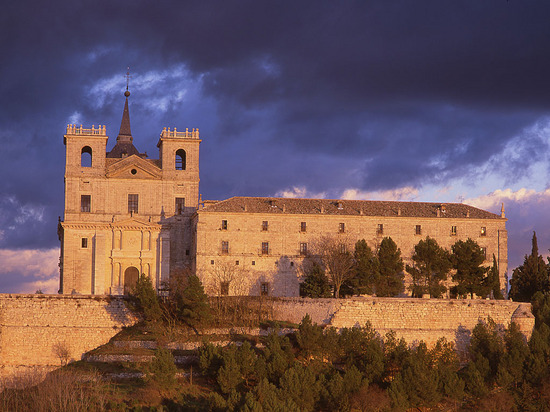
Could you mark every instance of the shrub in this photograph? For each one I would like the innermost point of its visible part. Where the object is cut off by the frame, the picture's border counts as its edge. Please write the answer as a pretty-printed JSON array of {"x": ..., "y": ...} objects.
[
  {"x": 210, "y": 359},
  {"x": 309, "y": 337},
  {"x": 162, "y": 369}
]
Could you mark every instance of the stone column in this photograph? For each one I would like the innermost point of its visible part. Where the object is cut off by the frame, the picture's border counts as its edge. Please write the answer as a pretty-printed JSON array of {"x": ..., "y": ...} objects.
[{"x": 98, "y": 275}]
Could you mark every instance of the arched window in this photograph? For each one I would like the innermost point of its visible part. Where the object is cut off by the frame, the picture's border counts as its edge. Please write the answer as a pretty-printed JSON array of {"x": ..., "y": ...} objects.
[
  {"x": 86, "y": 157},
  {"x": 180, "y": 159}
]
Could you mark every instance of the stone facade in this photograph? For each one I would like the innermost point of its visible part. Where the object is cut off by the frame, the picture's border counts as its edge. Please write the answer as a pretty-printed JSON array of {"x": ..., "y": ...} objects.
[
  {"x": 126, "y": 214},
  {"x": 251, "y": 243}
]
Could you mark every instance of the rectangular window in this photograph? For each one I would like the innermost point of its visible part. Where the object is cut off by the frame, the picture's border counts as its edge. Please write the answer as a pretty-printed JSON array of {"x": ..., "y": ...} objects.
[
  {"x": 303, "y": 248},
  {"x": 265, "y": 248},
  {"x": 187, "y": 252},
  {"x": 236, "y": 263},
  {"x": 224, "y": 224},
  {"x": 211, "y": 262},
  {"x": 418, "y": 229},
  {"x": 303, "y": 226},
  {"x": 380, "y": 229},
  {"x": 84, "y": 242},
  {"x": 453, "y": 230},
  {"x": 484, "y": 250},
  {"x": 483, "y": 231},
  {"x": 342, "y": 248},
  {"x": 224, "y": 288},
  {"x": 253, "y": 263},
  {"x": 341, "y": 227},
  {"x": 225, "y": 247},
  {"x": 264, "y": 289},
  {"x": 85, "y": 203},
  {"x": 133, "y": 201},
  {"x": 180, "y": 205},
  {"x": 265, "y": 225}
]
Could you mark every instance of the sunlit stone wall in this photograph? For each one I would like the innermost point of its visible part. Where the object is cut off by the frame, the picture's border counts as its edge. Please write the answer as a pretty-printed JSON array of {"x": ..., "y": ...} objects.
[
  {"x": 412, "y": 319},
  {"x": 32, "y": 326}
]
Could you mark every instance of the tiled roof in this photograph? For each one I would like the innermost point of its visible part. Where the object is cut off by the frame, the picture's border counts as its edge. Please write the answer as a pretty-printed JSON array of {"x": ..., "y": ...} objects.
[
  {"x": 346, "y": 207},
  {"x": 122, "y": 149}
]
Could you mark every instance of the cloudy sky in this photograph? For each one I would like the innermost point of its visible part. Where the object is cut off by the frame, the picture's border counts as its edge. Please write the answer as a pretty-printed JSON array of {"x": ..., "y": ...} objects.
[{"x": 412, "y": 100}]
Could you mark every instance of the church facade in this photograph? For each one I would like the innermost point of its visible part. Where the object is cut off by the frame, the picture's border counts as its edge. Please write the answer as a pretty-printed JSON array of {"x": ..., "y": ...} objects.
[{"x": 126, "y": 214}]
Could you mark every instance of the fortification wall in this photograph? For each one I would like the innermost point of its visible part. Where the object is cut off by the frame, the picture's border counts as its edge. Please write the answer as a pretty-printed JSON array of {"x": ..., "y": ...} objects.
[
  {"x": 411, "y": 319},
  {"x": 32, "y": 325}
]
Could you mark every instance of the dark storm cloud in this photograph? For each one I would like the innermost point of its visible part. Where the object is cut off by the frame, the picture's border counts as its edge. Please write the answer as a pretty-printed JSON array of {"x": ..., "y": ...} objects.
[{"x": 329, "y": 95}]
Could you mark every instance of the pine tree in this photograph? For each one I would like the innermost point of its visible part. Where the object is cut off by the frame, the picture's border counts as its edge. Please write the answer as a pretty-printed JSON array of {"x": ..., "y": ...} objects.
[
  {"x": 431, "y": 267},
  {"x": 530, "y": 277},
  {"x": 367, "y": 269},
  {"x": 316, "y": 284},
  {"x": 146, "y": 299},
  {"x": 162, "y": 369},
  {"x": 470, "y": 275},
  {"x": 192, "y": 303},
  {"x": 390, "y": 281}
]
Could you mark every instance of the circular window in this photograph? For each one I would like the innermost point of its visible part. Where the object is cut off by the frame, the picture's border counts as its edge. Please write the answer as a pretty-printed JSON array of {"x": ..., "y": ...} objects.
[{"x": 133, "y": 171}]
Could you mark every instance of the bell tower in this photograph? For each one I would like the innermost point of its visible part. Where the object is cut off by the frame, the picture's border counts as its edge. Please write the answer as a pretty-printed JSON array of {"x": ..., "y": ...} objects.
[{"x": 179, "y": 158}]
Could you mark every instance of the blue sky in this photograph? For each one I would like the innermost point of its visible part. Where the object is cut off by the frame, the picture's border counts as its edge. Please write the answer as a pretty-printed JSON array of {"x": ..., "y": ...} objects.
[{"x": 440, "y": 101}]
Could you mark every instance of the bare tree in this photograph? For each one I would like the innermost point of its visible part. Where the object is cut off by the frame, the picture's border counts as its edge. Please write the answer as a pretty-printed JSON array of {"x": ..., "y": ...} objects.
[
  {"x": 62, "y": 351},
  {"x": 227, "y": 278},
  {"x": 333, "y": 254}
]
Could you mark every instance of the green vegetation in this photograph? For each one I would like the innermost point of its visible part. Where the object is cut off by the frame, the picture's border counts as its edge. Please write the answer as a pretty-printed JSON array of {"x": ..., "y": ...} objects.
[
  {"x": 470, "y": 276},
  {"x": 493, "y": 281},
  {"x": 316, "y": 283},
  {"x": 390, "y": 280},
  {"x": 367, "y": 270},
  {"x": 531, "y": 277},
  {"x": 432, "y": 264},
  {"x": 145, "y": 300}
]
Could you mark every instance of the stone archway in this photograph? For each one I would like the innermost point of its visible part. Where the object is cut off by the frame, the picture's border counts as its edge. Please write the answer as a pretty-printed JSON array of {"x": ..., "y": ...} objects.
[{"x": 131, "y": 275}]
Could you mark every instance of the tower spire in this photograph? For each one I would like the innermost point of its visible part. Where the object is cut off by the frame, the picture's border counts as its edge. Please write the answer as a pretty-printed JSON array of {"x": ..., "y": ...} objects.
[
  {"x": 125, "y": 133},
  {"x": 124, "y": 146}
]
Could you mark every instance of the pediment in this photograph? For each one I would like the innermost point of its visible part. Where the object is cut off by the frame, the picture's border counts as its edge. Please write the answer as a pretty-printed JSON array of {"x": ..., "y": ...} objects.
[
  {"x": 133, "y": 167},
  {"x": 136, "y": 223}
]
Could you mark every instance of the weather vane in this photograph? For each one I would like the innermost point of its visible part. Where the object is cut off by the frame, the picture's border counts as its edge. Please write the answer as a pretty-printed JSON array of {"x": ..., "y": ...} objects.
[{"x": 127, "y": 78}]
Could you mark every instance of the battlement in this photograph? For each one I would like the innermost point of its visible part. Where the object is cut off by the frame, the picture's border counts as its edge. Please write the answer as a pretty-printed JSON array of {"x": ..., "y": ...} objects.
[
  {"x": 73, "y": 129},
  {"x": 167, "y": 133}
]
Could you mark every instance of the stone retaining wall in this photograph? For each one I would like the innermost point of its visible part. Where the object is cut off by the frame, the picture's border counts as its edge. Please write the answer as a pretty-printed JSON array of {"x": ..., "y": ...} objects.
[
  {"x": 412, "y": 319},
  {"x": 32, "y": 326}
]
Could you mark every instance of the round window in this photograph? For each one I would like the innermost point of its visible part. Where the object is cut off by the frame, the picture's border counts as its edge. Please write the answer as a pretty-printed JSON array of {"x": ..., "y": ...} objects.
[{"x": 133, "y": 171}]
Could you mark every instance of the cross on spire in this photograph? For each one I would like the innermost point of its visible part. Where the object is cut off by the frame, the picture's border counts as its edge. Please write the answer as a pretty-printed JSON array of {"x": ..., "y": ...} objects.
[{"x": 127, "y": 78}]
